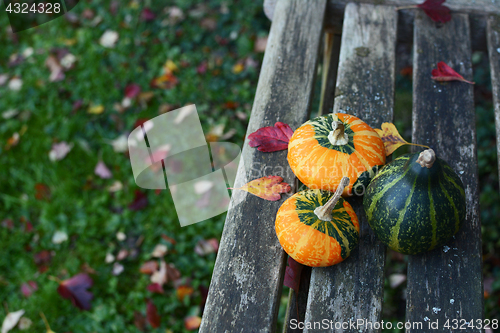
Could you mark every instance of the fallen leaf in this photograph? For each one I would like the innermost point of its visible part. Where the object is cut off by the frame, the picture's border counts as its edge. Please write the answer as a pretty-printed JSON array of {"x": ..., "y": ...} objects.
[
  {"x": 292, "y": 275},
  {"x": 168, "y": 239},
  {"x": 59, "y": 151},
  {"x": 12, "y": 141},
  {"x": 443, "y": 72},
  {"x": 42, "y": 192},
  {"x": 173, "y": 273},
  {"x": 170, "y": 66},
  {"x": 204, "y": 247},
  {"x": 109, "y": 39},
  {"x": 159, "y": 251},
  {"x": 238, "y": 68},
  {"x": 75, "y": 289},
  {"x": 202, "y": 67},
  {"x": 96, "y": 109},
  {"x": 117, "y": 269},
  {"x": 55, "y": 67},
  {"x": 102, "y": 170},
  {"x": 165, "y": 81},
  {"x": 109, "y": 258},
  {"x": 11, "y": 113},
  {"x": 270, "y": 139},
  {"x": 155, "y": 288},
  {"x": 59, "y": 237},
  {"x": 267, "y": 187},
  {"x": 42, "y": 259},
  {"x": 260, "y": 44},
  {"x": 24, "y": 323},
  {"x": 140, "y": 201},
  {"x": 11, "y": 320},
  {"x": 436, "y": 11},
  {"x": 116, "y": 186},
  {"x": 160, "y": 276},
  {"x": 183, "y": 291},
  {"x": 67, "y": 61},
  {"x": 120, "y": 235},
  {"x": 122, "y": 254},
  {"x": 15, "y": 84},
  {"x": 147, "y": 15},
  {"x": 192, "y": 323},
  {"x": 120, "y": 144},
  {"x": 152, "y": 314},
  {"x": 391, "y": 138},
  {"x": 3, "y": 79},
  {"x": 396, "y": 279},
  {"x": 149, "y": 267},
  {"x": 132, "y": 90},
  {"x": 28, "y": 288}
]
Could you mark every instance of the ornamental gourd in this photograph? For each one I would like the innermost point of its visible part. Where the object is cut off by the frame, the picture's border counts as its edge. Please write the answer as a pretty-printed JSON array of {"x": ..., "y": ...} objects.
[
  {"x": 317, "y": 228},
  {"x": 415, "y": 203},
  {"x": 327, "y": 148}
]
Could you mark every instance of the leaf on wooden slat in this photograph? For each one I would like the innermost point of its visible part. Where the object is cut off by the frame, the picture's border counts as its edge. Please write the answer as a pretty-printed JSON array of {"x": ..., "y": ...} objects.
[
  {"x": 443, "y": 72},
  {"x": 392, "y": 139},
  {"x": 267, "y": 187},
  {"x": 292, "y": 274},
  {"x": 269, "y": 139},
  {"x": 434, "y": 9}
]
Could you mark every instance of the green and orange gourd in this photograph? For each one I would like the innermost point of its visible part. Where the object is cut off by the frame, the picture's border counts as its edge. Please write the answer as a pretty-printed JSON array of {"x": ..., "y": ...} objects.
[
  {"x": 327, "y": 148},
  {"x": 317, "y": 228}
]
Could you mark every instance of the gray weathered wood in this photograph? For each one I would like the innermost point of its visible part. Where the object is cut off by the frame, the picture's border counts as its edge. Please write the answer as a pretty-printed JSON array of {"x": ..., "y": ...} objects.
[
  {"x": 247, "y": 281},
  {"x": 446, "y": 283},
  {"x": 493, "y": 36},
  {"x": 478, "y": 9},
  {"x": 353, "y": 289}
]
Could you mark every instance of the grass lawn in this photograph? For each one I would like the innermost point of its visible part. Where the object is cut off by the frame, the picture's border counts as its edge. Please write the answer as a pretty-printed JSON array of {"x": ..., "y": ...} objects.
[{"x": 68, "y": 198}]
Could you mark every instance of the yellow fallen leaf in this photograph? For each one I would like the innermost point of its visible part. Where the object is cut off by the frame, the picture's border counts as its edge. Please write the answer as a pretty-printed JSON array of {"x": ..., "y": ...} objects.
[
  {"x": 238, "y": 68},
  {"x": 170, "y": 66},
  {"x": 96, "y": 109},
  {"x": 392, "y": 139},
  {"x": 268, "y": 188}
]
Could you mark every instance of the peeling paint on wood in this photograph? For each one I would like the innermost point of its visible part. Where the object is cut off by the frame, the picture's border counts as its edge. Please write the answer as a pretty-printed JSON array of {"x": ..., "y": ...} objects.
[{"x": 444, "y": 119}]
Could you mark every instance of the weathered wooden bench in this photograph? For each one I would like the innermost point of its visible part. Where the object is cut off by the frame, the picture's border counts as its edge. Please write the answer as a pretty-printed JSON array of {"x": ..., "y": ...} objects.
[{"x": 246, "y": 287}]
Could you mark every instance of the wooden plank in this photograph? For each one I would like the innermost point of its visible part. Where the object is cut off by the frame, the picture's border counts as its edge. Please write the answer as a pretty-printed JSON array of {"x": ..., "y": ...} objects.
[
  {"x": 446, "y": 283},
  {"x": 477, "y": 8},
  {"x": 493, "y": 36},
  {"x": 353, "y": 289},
  {"x": 248, "y": 276}
]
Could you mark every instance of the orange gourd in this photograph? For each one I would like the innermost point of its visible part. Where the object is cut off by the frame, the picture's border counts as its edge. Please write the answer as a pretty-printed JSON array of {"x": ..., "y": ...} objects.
[
  {"x": 317, "y": 228},
  {"x": 327, "y": 148}
]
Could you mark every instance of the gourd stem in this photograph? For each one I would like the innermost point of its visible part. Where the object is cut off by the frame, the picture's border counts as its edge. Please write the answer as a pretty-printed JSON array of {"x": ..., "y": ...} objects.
[
  {"x": 324, "y": 212},
  {"x": 426, "y": 158},
  {"x": 337, "y": 136}
]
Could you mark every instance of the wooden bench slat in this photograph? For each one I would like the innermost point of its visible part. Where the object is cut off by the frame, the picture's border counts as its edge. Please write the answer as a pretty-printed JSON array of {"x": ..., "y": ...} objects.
[
  {"x": 353, "y": 289},
  {"x": 248, "y": 276},
  {"x": 446, "y": 283},
  {"x": 493, "y": 36}
]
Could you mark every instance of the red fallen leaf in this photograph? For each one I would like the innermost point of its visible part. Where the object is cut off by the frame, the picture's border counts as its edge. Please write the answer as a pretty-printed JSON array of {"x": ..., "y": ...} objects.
[
  {"x": 140, "y": 201},
  {"x": 192, "y": 323},
  {"x": 168, "y": 239},
  {"x": 147, "y": 15},
  {"x": 152, "y": 314},
  {"x": 436, "y": 11},
  {"x": 132, "y": 90},
  {"x": 155, "y": 288},
  {"x": 269, "y": 139},
  {"x": 231, "y": 105},
  {"x": 42, "y": 192},
  {"x": 202, "y": 68},
  {"x": 29, "y": 288},
  {"x": 443, "y": 72},
  {"x": 75, "y": 289},
  {"x": 42, "y": 259},
  {"x": 268, "y": 188},
  {"x": 292, "y": 274},
  {"x": 149, "y": 267},
  {"x": 140, "y": 122},
  {"x": 173, "y": 273}
]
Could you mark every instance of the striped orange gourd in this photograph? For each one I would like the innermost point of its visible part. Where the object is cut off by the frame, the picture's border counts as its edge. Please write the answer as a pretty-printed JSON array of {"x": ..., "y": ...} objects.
[
  {"x": 313, "y": 238},
  {"x": 327, "y": 148}
]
